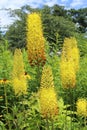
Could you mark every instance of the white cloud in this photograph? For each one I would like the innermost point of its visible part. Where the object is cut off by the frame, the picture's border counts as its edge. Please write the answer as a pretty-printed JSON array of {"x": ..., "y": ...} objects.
[
  {"x": 51, "y": 2},
  {"x": 11, "y": 3},
  {"x": 18, "y": 3},
  {"x": 78, "y": 3},
  {"x": 4, "y": 19},
  {"x": 14, "y": 4}
]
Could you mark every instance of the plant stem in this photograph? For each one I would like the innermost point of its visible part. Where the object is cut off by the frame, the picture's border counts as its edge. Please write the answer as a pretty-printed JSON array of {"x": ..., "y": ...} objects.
[
  {"x": 47, "y": 124},
  {"x": 52, "y": 124},
  {"x": 65, "y": 120},
  {"x": 71, "y": 107},
  {"x": 85, "y": 121},
  {"x": 6, "y": 104},
  {"x": 6, "y": 100}
]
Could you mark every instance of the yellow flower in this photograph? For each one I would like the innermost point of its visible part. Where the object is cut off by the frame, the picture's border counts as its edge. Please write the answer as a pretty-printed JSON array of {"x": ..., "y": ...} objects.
[
  {"x": 68, "y": 75},
  {"x": 1, "y": 81},
  {"x": 69, "y": 62},
  {"x": 75, "y": 55},
  {"x": 18, "y": 79},
  {"x": 4, "y": 81},
  {"x": 71, "y": 52},
  {"x": 18, "y": 65},
  {"x": 35, "y": 40},
  {"x": 48, "y": 99},
  {"x": 48, "y": 102},
  {"x": 47, "y": 77},
  {"x": 82, "y": 107},
  {"x": 19, "y": 86}
]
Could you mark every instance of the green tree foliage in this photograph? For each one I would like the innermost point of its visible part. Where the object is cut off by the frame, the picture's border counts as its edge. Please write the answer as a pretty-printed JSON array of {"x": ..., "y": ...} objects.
[
  {"x": 16, "y": 33},
  {"x": 59, "y": 10},
  {"x": 79, "y": 16},
  {"x": 5, "y": 61},
  {"x": 82, "y": 44},
  {"x": 56, "y": 20}
]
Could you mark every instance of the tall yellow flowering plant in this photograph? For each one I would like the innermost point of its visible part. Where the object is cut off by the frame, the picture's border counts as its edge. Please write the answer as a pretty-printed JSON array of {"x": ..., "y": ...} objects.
[
  {"x": 71, "y": 52},
  {"x": 69, "y": 62},
  {"x": 48, "y": 99},
  {"x": 35, "y": 40},
  {"x": 48, "y": 102},
  {"x": 18, "y": 79},
  {"x": 68, "y": 75}
]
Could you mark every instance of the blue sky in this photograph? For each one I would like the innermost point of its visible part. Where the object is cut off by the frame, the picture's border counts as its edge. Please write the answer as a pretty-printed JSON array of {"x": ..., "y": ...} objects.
[{"x": 15, "y": 4}]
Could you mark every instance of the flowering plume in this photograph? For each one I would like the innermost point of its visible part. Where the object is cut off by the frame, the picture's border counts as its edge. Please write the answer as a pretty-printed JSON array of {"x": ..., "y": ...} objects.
[
  {"x": 35, "y": 40},
  {"x": 82, "y": 107},
  {"x": 18, "y": 79},
  {"x": 48, "y": 99},
  {"x": 69, "y": 62},
  {"x": 48, "y": 102},
  {"x": 71, "y": 52},
  {"x": 68, "y": 75}
]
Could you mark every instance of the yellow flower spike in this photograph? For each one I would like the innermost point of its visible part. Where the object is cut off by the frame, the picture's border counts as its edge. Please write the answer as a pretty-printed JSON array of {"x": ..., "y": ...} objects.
[
  {"x": 47, "y": 77},
  {"x": 18, "y": 65},
  {"x": 71, "y": 52},
  {"x": 75, "y": 55},
  {"x": 68, "y": 75},
  {"x": 18, "y": 80},
  {"x": 69, "y": 62},
  {"x": 81, "y": 105},
  {"x": 48, "y": 102},
  {"x": 19, "y": 86},
  {"x": 47, "y": 98},
  {"x": 35, "y": 40}
]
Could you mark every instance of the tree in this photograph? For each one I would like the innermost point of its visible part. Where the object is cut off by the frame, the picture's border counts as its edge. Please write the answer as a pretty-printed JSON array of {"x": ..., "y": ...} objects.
[
  {"x": 57, "y": 25},
  {"x": 55, "y": 21},
  {"x": 59, "y": 10},
  {"x": 79, "y": 16},
  {"x": 16, "y": 32}
]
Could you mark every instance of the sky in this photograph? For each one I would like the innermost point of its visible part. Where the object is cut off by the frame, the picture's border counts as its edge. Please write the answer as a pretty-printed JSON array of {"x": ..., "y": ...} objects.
[{"x": 15, "y": 4}]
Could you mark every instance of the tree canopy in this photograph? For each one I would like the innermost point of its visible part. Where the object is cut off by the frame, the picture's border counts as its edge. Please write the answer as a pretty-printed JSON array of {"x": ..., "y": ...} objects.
[{"x": 56, "y": 21}]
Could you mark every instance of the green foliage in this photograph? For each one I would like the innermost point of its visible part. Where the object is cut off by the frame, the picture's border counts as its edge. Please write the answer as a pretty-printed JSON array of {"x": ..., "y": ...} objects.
[
  {"x": 54, "y": 21},
  {"x": 2, "y": 126},
  {"x": 54, "y": 62},
  {"x": 82, "y": 79},
  {"x": 24, "y": 112},
  {"x": 5, "y": 61},
  {"x": 79, "y": 16},
  {"x": 82, "y": 44},
  {"x": 56, "y": 25}
]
